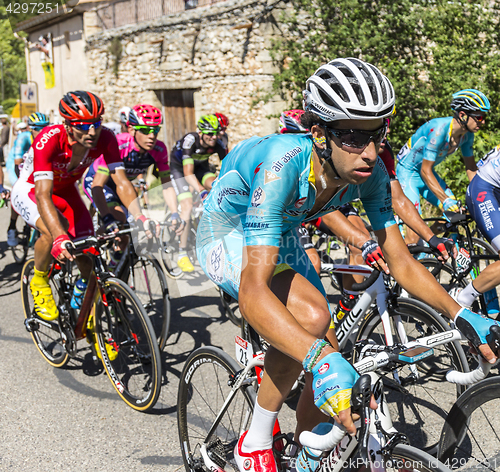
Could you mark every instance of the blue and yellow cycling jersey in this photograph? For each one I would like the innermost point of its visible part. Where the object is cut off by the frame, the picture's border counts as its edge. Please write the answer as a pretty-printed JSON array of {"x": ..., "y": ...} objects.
[
  {"x": 432, "y": 143},
  {"x": 266, "y": 187}
]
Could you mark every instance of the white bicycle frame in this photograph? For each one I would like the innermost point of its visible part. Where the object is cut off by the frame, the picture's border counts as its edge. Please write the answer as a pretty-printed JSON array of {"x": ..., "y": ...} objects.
[{"x": 375, "y": 293}]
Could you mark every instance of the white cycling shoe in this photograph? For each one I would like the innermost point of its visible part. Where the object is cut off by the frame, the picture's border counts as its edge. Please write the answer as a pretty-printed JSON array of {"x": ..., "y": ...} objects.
[{"x": 256, "y": 461}]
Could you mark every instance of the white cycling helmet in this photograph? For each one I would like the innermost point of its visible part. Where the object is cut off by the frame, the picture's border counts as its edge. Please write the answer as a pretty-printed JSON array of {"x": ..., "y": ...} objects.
[
  {"x": 349, "y": 89},
  {"x": 123, "y": 112}
]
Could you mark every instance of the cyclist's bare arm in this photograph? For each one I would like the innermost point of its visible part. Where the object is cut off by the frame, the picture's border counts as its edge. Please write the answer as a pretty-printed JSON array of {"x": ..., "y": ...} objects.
[
  {"x": 191, "y": 179},
  {"x": 349, "y": 234},
  {"x": 169, "y": 194},
  {"x": 125, "y": 191},
  {"x": 98, "y": 183},
  {"x": 470, "y": 167},
  {"x": 408, "y": 213},
  {"x": 427, "y": 174}
]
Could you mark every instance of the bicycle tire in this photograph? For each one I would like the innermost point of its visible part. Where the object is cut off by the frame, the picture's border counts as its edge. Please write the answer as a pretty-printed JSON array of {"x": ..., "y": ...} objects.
[
  {"x": 420, "y": 407},
  {"x": 405, "y": 457},
  {"x": 20, "y": 251},
  {"x": 121, "y": 322},
  {"x": 203, "y": 388},
  {"x": 468, "y": 431},
  {"x": 168, "y": 249},
  {"x": 48, "y": 341},
  {"x": 150, "y": 285}
]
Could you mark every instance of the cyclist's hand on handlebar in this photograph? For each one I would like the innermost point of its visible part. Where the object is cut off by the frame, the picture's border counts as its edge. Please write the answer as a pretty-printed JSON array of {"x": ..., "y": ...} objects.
[
  {"x": 151, "y": 227},
  {"x": 450, "y": 204},
  {"x": 177, "y": 224},
  {"x": 444, "y": 246},
  {"x": 373, "y": 256},
  {"x": 110, "y": 223},
  {"x": 482, "y": 332},
  {"x": 61, "y": 248},
  {"x": 333, "y": 378}
]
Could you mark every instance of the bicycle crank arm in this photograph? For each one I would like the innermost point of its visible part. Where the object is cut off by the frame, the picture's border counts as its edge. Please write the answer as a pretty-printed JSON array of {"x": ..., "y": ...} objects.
[{"x": 33, "y": 324}]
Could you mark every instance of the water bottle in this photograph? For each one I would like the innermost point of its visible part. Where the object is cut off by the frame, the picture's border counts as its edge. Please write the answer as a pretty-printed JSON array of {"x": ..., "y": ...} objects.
[
  {"x": 491, "y": 300},
  {"x": 309, "y": 459},
  {"x": 78, "y": 293}
]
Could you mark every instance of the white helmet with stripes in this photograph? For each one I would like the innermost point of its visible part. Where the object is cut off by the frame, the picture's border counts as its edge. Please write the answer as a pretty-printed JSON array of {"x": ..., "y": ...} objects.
[{"x": 349, "y": 89}]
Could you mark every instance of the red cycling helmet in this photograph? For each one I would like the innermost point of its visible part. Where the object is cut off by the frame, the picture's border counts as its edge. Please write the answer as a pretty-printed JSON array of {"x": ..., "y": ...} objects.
[
  {"x": 290, "y": 122},
  {"x": 81, "y": 106},
  {"x": 145, "y": 115},
  {"x": 223, "y": 120}
]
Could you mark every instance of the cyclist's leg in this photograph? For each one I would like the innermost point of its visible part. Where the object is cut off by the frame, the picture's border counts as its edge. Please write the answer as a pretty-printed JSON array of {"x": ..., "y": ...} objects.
[
  {"x": 185, "y": 199},
  {"x": 306, "y": 242},
  {"x": 303, "y": 295},
  {"x": 207, "y": 177},
  {"x": 412, "y": 186}
]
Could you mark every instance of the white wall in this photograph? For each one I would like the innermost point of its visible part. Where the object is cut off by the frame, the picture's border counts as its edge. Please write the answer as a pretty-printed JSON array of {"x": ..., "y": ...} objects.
[{"x": 70, "y": 64}]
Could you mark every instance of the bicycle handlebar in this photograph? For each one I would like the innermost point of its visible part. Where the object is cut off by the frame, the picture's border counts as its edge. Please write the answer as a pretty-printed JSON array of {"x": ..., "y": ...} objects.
[{"x": 362, "y": 286}]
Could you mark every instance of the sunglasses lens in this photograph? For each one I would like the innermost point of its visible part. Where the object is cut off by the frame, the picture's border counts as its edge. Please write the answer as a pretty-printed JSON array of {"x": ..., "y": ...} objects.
[
  {"x": 87, "y": 126},
  {"x": 359, "y": 139},
  {"x": 148, "y": 129},
  {"x": 479, "y": 118}
]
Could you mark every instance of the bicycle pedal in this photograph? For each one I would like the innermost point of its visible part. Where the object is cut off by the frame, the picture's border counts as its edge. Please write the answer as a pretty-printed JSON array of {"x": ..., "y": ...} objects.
[{"x": 31, "y": 325}]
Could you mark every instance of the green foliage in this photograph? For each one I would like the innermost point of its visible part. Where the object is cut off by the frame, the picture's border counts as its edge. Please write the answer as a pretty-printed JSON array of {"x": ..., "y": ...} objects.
[
  {"x": 12, "y": 54},
  {"x": 428, "y": 48},
  {"x": 8, "y": 104}
]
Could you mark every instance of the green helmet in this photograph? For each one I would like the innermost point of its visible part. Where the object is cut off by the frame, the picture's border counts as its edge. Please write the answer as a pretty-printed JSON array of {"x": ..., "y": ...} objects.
[{"x": 208, "y": 124}]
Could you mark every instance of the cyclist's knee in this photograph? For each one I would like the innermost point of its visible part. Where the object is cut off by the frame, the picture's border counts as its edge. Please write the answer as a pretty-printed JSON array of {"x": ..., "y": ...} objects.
[{"x": 316, "y": 318}]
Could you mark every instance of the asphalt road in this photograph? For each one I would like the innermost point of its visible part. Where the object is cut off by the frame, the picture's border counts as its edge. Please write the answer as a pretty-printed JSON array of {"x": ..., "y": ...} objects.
[{"x": 71, "y": 418}]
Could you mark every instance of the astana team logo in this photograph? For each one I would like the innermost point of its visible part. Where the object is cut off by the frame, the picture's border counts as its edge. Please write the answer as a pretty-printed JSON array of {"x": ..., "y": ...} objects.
[{"x": 258, "y": 197}]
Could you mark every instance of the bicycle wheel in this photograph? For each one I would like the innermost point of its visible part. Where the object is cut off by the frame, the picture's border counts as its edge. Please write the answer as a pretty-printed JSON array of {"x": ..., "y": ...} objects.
[
  {"x": 418, "y": 398},
  {"x": 170, "y": 247},
  {"x": 20, "y": 252},
  {"x": 133, "y": 365},
  {"x": 407, "y": 458},
  {"x": 45, "y": 334},
  {"x": 204, "y": 387},
  {"x": 149, "y": 283},
  {"x": 470, "y": 438}
]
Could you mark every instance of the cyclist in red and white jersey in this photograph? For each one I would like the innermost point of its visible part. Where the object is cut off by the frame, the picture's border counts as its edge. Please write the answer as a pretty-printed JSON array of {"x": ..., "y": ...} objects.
[{"x": 46, "y": 194}]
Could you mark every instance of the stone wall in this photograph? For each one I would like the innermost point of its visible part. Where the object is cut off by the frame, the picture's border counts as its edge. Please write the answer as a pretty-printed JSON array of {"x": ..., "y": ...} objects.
[{"x": 222, "y": 51}]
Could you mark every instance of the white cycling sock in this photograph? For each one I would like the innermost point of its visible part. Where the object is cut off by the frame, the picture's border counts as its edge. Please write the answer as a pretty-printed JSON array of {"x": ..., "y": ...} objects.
[
  {"x": 468, "y": 295},
  {"x": 260, "y": 434}
]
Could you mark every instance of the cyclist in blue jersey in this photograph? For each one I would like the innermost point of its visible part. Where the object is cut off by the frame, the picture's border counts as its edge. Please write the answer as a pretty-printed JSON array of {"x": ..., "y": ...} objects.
[
  {"x": 247, "y": 244},
  {"x": 432, "y": 143},
  {"x": 36, "y": 122},
  {"x": 483, "y": 202}
]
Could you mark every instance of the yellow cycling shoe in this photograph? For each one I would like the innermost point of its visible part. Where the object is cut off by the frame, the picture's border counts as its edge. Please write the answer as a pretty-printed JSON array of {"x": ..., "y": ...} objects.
[
  {"x": 185, "y": 264},
  {"x": 45, "y": 306},
  {"x": 91, "y": 339}
]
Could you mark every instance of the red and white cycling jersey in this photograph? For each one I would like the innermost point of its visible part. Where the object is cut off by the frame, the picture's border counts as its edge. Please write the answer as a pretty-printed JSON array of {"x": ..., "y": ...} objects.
[{"x": 52, "y": 153}]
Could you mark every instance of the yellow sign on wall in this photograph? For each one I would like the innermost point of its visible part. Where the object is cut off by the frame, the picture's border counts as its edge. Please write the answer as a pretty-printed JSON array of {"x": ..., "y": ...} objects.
[
  {"x": 24, "y": 109},
  {"x": 50, "y": 79}
]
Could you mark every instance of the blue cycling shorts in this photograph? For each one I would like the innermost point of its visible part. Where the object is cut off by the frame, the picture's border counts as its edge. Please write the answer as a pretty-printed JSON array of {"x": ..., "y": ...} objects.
[
  {"x": 414, "y": 187},
  {"x": 483, "y": 202},
  {"x": 221, "y": 258}
]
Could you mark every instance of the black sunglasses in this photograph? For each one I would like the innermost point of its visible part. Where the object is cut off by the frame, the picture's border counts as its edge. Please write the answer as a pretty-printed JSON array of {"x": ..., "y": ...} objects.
[{"x": 359, "y": 139}]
